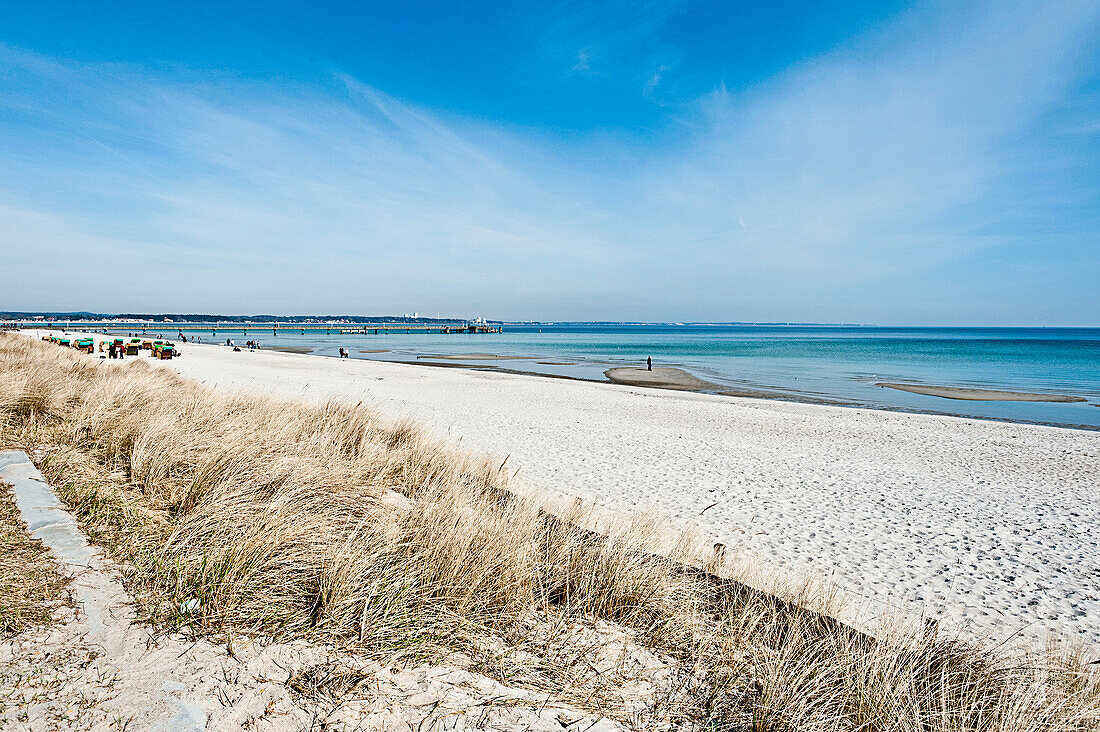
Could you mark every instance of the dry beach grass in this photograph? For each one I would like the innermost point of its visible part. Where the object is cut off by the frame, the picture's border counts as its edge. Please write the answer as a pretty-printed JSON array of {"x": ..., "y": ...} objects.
[
  {"x": 237, "y": 514},
  {"x": 31, "y": 586}
]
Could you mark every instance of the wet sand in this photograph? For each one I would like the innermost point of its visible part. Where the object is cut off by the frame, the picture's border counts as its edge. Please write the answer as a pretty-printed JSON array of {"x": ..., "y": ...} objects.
[
  {"x": 979, "y": 395},
  {"x": 288, "y": 349},
  {"x": 661, "y": 378},
  {"x": 680, "y": 380}
]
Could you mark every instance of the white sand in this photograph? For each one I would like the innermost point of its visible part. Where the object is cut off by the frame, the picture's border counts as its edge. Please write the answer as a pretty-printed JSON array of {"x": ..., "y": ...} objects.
[{"x": 994, "y": 527}]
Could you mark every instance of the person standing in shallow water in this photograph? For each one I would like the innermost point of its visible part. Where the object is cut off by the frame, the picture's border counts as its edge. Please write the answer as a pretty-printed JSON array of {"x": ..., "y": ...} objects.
[{"x": 649, "y": 363}]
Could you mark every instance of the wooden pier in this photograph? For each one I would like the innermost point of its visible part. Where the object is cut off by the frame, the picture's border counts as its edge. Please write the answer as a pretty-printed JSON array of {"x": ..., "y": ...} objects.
[{"x": 383, "y": 329}]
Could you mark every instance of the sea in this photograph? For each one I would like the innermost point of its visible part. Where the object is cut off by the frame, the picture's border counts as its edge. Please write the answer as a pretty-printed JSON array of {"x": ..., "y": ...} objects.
[{"x": 825, "y": 364}]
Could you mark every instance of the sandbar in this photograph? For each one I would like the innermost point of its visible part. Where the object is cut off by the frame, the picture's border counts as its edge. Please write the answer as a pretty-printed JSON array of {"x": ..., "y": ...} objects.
[
  {"x": 375, "y": 350},
  {"x": 661, "y": 378},
  {"x": 288, "y": 349},
  {"x": 981, "y": 395}
]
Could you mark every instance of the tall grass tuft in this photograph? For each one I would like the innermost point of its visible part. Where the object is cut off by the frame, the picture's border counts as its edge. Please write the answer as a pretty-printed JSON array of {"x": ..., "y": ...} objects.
[{"x": 336, "y": 524}]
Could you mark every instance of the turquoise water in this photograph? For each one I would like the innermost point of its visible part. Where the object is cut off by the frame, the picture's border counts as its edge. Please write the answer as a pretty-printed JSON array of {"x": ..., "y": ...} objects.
[{"x": 828, "y": 363}]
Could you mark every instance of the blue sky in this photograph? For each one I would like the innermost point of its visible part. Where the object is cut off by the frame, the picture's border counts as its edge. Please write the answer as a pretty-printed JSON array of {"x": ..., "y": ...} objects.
[{"x": 900, "y": 163}]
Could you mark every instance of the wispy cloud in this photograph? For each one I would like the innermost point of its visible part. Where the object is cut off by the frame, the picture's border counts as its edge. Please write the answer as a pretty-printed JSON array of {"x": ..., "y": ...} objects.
[
  {"x": 880, "y": 162},
  {"x": 837, "y": 191},
  {"x": 619, "y": 39}
]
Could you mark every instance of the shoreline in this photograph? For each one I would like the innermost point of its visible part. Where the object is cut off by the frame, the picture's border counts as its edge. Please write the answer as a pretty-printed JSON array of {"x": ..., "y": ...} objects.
[
  {"x": 481, "y": 363},
  {"x": 987, "y": 526},
  {"x": 423, "y": 503},
  {"x": 793, "y": 398},
  {"x": 742, "y": 394}
]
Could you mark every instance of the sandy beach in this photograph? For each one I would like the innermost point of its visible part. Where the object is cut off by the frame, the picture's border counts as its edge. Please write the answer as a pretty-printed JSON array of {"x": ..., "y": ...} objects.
[
  {"x": 987, "y": 528},
  {"x": 992, "y": 527}
]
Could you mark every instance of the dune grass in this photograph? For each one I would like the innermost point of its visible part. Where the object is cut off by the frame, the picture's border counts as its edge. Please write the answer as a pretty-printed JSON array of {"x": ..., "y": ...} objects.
[
  {"x": 32, "y": 587},
  {"x": 244, "y": 514}
]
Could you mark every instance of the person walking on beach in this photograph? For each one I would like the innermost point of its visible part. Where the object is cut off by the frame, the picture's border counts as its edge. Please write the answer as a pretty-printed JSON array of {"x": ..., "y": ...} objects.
[{"x": 649, "y": 363}]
